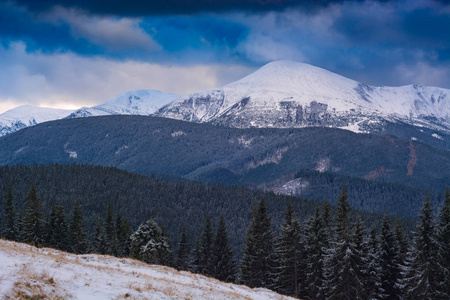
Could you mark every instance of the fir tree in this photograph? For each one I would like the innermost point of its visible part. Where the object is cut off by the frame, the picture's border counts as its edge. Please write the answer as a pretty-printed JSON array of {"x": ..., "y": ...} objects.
[
  {"x": 424, "y": 279},
  {"x": 289, "y": 252},
  {"x": 223, "y": 266},
  {"x": 257, "y": 267},
  {"x": 194, "y": 265},
  {"x": 99, "y": 239},
  {"x": 110, "y": 233},
  {"x": 315, "y": 257},
  {"x": 182, "y": 262},
  {"x": 78, "y": 237},
  {"x": 58, "y": 231},
  {"x": 167, "y": 259},
  {"x": 206, "y": 243},
  {"x": 123, "y": 236},
  {"x": 10, "y": 229},
  {"x": 390, "y": 267},
  {"x": 34, "y": 223},
  {"x": 373, "y": 280},
  {"x": 444, "y": 245},
  {"x": 345, "y": 279},
  {"x": 149, "y": 244}
]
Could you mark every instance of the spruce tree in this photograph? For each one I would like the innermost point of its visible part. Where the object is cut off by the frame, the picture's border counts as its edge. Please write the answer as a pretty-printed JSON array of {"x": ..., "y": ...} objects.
[
  {"x": 315, "y": 239},
  {"x": 390, "y": 267},
  {"x": 34, "y": 223},
  {"x": 257, "y": 267},
  {"x": 194, "y": 265},
  {"x": 99, "y": 238},
  {"x": 149, "y": 244},
  {"x": 167, "y": 259},
  {"x": 344, "y": 263},
  {"x": 373, "y": 281},
  {"x": 10, "y": 229},
  {"x": 110, "y": 233},
  {"x": 223, "y": 266},
  {"x": 78, "y": 237},
  {"x": 182, "y": 262},
  {"x": 443, "y": 238},
  {"x": 424, "y": 279},
  {"x": 289, "y": 253},
  {"x": 123, "y": 234},
  {"x": 58, "y": 230},
  {"x": 206, "y": 243}
]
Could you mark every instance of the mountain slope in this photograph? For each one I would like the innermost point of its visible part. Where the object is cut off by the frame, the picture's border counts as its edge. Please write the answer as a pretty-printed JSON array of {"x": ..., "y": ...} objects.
[
  {"x": 140, "y": 102},
  {"x": 248, "y": 157},
  {"x": 287, "y": 94},
  {"x": 41, "y": 273},
  {"x": 28, "y": 115}
]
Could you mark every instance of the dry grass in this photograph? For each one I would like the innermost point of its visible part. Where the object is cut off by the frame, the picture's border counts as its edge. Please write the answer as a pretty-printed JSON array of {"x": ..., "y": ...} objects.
[{"x": 36, "y": 286}]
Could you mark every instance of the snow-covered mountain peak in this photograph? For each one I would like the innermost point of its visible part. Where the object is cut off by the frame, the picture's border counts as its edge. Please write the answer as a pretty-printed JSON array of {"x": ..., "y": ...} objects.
[
  {"x": 139, "y": 102},
  {"x": 289, "y": 94},
  {"x": 28, "y": 115}
]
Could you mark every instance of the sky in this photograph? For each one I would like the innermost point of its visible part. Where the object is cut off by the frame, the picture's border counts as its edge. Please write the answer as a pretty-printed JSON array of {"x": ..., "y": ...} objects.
[{"x": 68, "y": 54}]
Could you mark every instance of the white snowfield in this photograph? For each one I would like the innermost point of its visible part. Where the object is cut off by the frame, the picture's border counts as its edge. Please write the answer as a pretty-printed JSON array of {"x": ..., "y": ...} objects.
[
  {"x": 297, "y": 90},
  {"x": 140, "y": 102},
  {"x": 28, "y": 115},
  {"x": 26, "y": 271}
]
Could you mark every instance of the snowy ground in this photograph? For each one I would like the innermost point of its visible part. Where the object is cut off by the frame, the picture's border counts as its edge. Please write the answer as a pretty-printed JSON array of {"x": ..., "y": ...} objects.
[{"x": 52, "y": 274}]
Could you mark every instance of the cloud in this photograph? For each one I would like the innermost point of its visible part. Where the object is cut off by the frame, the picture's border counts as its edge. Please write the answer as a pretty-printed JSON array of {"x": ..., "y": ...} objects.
[{"x": 70, "y": 80}]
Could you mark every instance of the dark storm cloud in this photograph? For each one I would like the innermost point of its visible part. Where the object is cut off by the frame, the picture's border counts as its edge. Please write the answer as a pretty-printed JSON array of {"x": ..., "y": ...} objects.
[{"x": 156, "y": 7}]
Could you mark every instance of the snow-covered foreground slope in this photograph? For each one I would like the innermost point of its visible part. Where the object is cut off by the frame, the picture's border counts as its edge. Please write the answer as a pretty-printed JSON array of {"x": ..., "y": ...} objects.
[
  {"x": 28, "y": 115},
  {"x": 287, "y": 94},
  {"x": 26, "y": 271},
  {"x": 140, "y": 102}
]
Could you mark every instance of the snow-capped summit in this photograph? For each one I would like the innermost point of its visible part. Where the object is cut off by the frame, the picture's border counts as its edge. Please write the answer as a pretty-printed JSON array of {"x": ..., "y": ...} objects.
[
  {"x": 289, "y": 94},
  {"x": 28, "y": 115},
  {"x": 140, "y": 102}
]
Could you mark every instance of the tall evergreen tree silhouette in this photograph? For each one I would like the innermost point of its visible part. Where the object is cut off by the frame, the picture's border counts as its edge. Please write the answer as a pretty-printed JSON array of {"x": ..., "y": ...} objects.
[
  {"x": 10, "y": 230},
  {"x": 289, "y": 255},
  {"x": 444, "y": 245},
  {"x": 182, "y": 262},
  {"x": 257, "y": 267},
  {"x": 78, "y": 237},
  {"x": 222, "y": 261},
  {"x": 206, "y": 244},
  {"x": 34, "y": 223}
]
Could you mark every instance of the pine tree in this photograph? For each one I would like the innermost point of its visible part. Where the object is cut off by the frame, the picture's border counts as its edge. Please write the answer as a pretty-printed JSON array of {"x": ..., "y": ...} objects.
[
  {"x": 289, "y": 253},
  {"x": 34, "y": 223},
  {"x": 149, "y": 244},
  {"x": 206, "y": 243},
  {"x": 10, "y": 230},
  {"x": 257, "y": 267},
  {"x": 194, "y": 265},
  {"x": 444, "y": 245},
  {"x": 110, "y": 233},
  {"x": 183, "y": 252},
  {"x": 424, "y": 271},
  {"x": 78, "y": 237},
  {"x": 315, "y": 257},
  {"x": 344, "y": 274},
  {"x": 223, "y": 266},
  {"x": 390, "y": 267}
]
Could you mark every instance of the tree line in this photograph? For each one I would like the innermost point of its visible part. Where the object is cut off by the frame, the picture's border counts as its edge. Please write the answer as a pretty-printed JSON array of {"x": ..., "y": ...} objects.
[{"x": 331, "y": 255}]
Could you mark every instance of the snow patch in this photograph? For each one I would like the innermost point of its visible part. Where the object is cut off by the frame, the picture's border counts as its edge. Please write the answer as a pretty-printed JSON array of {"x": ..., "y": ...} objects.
[
  {"x": 178, "y": 133},
  {"x": 323, "y": 165},
  {"x": 437, "y": 136},
  {"x": 274, "y": 158},
  {"x": 123, "y": 147}
]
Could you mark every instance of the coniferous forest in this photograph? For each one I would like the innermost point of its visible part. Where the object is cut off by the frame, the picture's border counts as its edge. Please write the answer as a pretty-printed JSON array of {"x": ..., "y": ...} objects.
[{"x": 300, "y": 248}]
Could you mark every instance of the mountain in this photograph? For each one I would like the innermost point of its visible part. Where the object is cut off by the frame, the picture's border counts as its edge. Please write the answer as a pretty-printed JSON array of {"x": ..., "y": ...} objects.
[
  {"x": 28, "y": 272},
  {"x": 140, "y": 102},
  {"x": 250, "y": 157},
  {"x": 28, "y": 115},
  {"x": 286, "y": 94}
]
